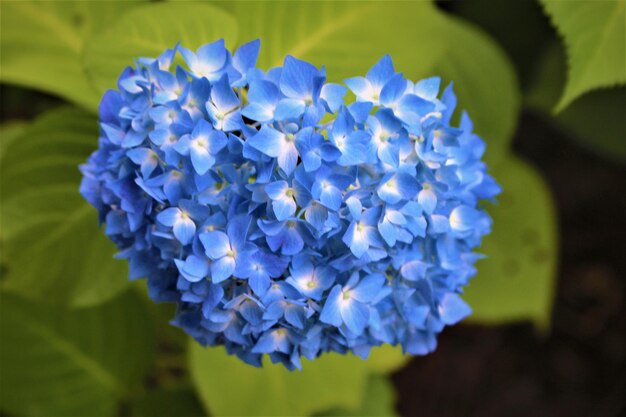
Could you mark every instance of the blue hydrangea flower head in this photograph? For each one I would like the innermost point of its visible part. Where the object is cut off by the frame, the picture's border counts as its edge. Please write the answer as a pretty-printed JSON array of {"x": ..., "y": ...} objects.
[{"x": 281, "y": 219}]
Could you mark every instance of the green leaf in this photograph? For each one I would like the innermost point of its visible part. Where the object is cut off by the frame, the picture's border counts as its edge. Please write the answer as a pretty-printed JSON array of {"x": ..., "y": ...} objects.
[
  {"x": 593, "y": 33},
  {"x": 516, "y": 280},
  {"x": 148, "y": 31},
  {"x": 72, "y": 363},
  {"x": 51, "y": 240},
  {"x": 228, "y": 386},
  {"x": 595, "y": 121},
  {"x": 378, "y": 400},
  {"x": 168, "y": 403},
  {"x": 8, "y": 133},
  {"x": 42, "y": 44},
  {"x": 349, "y": 37},
  {"x": 386, "y": 359}
]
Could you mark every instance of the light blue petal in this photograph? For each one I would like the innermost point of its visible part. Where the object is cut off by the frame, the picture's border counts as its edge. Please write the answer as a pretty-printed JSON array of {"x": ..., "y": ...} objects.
[
  {"x": 407, "y": 185},
  {"x": 297, "y": 78},
  {"x": 276, "y": 189},
  {"x": 331, "y": 197},
  {"x": 223, "y": 96},
  {"x": 287, "y": 157},
  {"x": 184, "y": 230},
  {"x": 268, "y": 141},
  {"x": 381, "y": 72},
  {"x": 182, "y": 145},
  {"x": 284, "y": 208},
  {"x": 333, "y": 94},
  {"x": 414, "y": 270},
  {"x": 360, "y": 111},
  {"x": 393, "y": 90},
  {"x": 316, "y": 215},
  {"x": 217, "y": 141},
  {"x": 438, "y": 224},
  {"x": 330, "y": 313},
  {"x": 259, "y": 282},
  {"x": 292, "y": 242},
  {"x": 265, "y": 344},
  {"x": 453, "y": 309},
  {"x": 196, "y": 266},
  {"x": 355, "y": 207},
  {"x": 169, "y": 216},
  {"x": 263, "y": 92},
  {"x": 201, "y": 159},
  {"x": 246, "y": 55},
  {"x": 356, "y": 240},
  {"x": 428, "y": 200},
  {"x": 355, "y": 315},
  {"x": 258, "y": 112},
  {"x": 463, "y": 218},
  {"x": 289, "y": 109},
  {"x": 222, "y": 269},
  {"x": 296, "y": 316},
  {"x": 388, "y": 231},
  {"x": 428, "y": 88},
  {"x": 368, "y": 288},
  {"x": 216, "y": 244},
  {"x": 212, "y": 55},
  {"x": 360, "y": 86}
]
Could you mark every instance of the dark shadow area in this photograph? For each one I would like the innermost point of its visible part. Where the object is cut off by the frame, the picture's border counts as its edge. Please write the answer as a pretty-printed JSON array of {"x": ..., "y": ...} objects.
[{"x": 578, "y": 368}]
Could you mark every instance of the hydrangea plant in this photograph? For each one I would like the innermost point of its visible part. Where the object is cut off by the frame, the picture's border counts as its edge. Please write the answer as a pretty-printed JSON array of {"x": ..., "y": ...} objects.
[{"x": 282, "y": 218}]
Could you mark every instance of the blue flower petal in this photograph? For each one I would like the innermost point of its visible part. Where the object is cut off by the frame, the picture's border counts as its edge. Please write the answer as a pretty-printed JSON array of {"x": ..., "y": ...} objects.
[
  {"x": 216, "y": 244},
  {"x": 222, "y": 269},
  {"x": 331, "y": 312}
]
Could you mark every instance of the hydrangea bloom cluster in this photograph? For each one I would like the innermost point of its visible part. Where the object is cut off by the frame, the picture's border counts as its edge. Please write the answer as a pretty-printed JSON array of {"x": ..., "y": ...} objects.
[{"x": 282, "y": 220}]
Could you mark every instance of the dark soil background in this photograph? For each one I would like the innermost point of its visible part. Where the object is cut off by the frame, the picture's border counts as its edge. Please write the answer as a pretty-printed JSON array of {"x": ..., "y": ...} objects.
[{"x": 579, "y": 367}]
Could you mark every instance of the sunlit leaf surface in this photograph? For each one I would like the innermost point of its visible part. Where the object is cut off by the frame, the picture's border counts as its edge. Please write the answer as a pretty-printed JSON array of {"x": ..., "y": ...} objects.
[
  {"x": 516, "y": 280},
  {"x": 593, "y": 34},
  {"x": 51, "y": 241}
]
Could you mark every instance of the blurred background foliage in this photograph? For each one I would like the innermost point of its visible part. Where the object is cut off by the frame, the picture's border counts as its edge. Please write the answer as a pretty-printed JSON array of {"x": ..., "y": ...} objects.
[{"x": 78, "y": 339}]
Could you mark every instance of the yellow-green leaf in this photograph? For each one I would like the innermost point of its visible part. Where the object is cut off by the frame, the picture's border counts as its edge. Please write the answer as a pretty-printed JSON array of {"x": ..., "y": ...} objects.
[
  {"x": 228, "y": 386},
  {"x": 42, "y": 44},
  {"x": 516, "y": 280},
  {"x": 148, "y": 31},
  {"x": 593, "y": 33},
  {"x": 52, "y": 245}
]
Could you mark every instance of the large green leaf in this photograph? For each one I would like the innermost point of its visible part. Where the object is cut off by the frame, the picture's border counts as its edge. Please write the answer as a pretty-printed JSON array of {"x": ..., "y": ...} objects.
[
  {"x": 227, "y": 386},
  {"x": 148, "y": 31},
  {"x": 593, "y": 33},
  {"x": 595, "y": 121},
  {"x": 163, "y": 402},
  {"x": 349, "y": 37},
  {"x": 72, "y": 363},
  {"x": 42, "y": 43},
  {"x": 516, "y": 280},
  {"x": 54, "y": 249},
  {"x": 378, "y": 401},
  {"x": 8, "y": 133}
]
